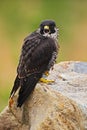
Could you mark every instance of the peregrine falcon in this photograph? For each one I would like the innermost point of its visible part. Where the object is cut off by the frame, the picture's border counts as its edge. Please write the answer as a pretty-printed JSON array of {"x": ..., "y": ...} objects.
[{"x": 38, "y": 55}]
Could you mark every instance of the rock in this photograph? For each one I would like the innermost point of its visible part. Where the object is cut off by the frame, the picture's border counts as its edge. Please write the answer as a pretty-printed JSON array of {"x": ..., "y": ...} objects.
[
  {"x": 71, "y": 81},
  {"x": 59, "y": 106}
]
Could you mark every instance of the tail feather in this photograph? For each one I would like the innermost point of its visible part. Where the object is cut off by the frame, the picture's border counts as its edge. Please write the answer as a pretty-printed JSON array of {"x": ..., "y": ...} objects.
[
  {"x": 15, "y": 87},
  {"x": 27, "y": 86}
]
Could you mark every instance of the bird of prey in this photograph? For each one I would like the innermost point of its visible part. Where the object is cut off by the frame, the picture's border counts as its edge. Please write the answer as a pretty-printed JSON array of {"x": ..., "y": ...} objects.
[{"x": 38, "y": 55}]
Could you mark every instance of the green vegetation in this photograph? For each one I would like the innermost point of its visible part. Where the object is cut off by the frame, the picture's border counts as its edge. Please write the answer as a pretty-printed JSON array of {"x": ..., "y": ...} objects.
[{"x": 19, "y": 18}]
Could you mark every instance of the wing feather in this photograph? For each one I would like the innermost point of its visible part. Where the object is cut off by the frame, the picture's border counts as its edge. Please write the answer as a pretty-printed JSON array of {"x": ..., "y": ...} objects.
[{"x": 36, "y": 54}]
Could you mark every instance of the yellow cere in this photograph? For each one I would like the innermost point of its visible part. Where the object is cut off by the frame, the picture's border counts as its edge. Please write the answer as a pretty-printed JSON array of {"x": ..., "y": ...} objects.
[{"x": 46, "y": 27}]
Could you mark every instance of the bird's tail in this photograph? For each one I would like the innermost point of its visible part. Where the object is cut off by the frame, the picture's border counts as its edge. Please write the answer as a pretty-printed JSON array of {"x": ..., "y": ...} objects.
[
  {"x": 27, "y": 86},
  {"x": 15, "y": 87}
]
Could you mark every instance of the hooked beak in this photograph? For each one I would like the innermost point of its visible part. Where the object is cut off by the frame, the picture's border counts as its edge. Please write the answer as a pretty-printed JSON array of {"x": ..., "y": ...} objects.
[{"x": 46, "y": 29}]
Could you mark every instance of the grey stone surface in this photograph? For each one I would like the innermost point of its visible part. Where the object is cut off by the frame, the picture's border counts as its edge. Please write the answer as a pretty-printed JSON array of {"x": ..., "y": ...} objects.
[
  {"x": 44, "y": 110},
  {"x": 59, "y": 106},
  {"x": 71, "y": 80}
]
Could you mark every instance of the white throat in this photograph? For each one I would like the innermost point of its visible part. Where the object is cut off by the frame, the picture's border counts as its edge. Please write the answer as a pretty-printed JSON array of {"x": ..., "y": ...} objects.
[{"x": 52, "y": 35}]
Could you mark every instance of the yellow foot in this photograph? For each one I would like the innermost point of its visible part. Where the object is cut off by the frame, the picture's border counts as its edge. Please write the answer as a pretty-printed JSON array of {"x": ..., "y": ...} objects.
[
  {"x": 11, "y": 101},
  {"x": 46, "y": 80},
  {"x": 46, "y": 73}
]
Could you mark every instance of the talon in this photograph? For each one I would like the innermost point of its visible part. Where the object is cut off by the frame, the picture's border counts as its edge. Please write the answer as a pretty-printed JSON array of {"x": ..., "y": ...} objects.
[
  {"x": 11, "y": 101},
  {"x": 46, "y": 73},
  {"x": 46, "y": 80}
]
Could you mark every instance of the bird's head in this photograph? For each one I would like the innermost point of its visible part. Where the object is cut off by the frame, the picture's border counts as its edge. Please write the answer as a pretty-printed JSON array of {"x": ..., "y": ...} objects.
[{"x": 48, "y": 28}]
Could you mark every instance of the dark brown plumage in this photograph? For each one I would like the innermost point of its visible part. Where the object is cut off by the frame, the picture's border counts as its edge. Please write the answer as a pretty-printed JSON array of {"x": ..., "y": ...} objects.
[{"x": 38, "y": 55}]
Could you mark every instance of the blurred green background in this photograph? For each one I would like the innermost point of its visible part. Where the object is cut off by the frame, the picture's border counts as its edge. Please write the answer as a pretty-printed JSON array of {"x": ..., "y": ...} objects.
[{"x": 20, "y": 17}]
